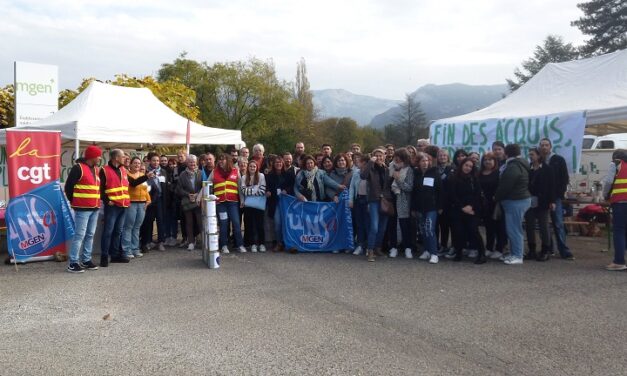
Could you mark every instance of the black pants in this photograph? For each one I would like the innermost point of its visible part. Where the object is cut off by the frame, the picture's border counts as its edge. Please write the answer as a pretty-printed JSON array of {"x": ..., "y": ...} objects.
[
  {"x": 253, "y": 222},
  {"x": 405, "y": 224},
  {"x": 495, "y": 234},
  {"x": 443, "y": 228},
  {"x": 465, "y": 230},
  {"x": 541, "y": 218}
]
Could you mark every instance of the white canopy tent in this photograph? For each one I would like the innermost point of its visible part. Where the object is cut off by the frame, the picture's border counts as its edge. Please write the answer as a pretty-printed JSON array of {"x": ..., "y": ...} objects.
[
  {"x": 596, "y": 85},
  {"x": 124, "y": 117}
]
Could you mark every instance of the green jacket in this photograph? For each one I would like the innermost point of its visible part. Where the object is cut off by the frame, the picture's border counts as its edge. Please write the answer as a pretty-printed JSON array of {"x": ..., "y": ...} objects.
[{"x": 514, "y": 182}]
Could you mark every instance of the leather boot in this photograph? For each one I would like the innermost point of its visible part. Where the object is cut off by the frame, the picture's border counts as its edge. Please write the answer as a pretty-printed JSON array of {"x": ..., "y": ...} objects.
[
  {"x": 532, "y": 252},
  {"x": 378, "y": 252},
  {"x": 459, "y": 253},
  {"x": 370, "y": 254},
  {"x": 480, "y": 256},
  {"x": 544, "y": 255}
]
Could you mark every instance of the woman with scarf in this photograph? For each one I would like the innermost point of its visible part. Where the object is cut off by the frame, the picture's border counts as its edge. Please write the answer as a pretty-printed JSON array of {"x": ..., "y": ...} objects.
[
  {"x": 187, "y": 188},
  {"x": 376, "y": 175},
  {"x": 311, "y": 182},
  {"x": 465, "y": 197},
  {"x": 225, "y": 179},
  {"x": 253, "y": 184},
  {"x": 342, "y": 173},
  {"x": 402, "y": 178}
]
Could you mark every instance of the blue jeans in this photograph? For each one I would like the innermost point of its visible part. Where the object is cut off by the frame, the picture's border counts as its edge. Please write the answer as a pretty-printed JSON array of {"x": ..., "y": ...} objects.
[
  {"x": 378, "y": 225},
  {"x": 111, "y": 242},
  {"x": 82, "y": 243},
  {"x": 619, "y": 224},
  {"x": 514, "y": 211},
  {"x": 427, "y": 223},
  {"x": 360, "y": 208},
  {"x": 229, "y": 212},
  {"x": 278, "y": 225},
  {"x": 557, "y": 217},
  {"x": 132, "y": 223}
]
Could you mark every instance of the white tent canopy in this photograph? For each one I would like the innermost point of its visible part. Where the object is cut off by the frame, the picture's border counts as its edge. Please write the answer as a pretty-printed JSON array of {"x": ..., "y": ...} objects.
[
  {"x": 597, "y": 85},
  {"x": 126, "y": 117}
]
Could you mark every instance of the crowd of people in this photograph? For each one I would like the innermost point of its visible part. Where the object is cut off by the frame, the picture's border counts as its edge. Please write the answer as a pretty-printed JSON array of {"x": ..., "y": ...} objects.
[{"x": 412, "y": 198}]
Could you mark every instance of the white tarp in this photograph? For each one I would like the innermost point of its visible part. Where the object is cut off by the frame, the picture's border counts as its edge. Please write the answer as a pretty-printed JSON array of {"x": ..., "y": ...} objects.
[
  {"x": 126, "y": 117},
  {"x": 597, "y": 85},
  {"x": 557, "y": 103}
]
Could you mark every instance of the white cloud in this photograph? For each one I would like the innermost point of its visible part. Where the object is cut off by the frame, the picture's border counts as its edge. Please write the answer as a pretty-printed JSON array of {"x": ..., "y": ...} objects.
[{"x": 381, "y": 48}]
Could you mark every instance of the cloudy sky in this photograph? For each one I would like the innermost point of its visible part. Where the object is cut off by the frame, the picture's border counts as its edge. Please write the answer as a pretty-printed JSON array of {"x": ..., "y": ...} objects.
[{"x": 373, "y": 47}]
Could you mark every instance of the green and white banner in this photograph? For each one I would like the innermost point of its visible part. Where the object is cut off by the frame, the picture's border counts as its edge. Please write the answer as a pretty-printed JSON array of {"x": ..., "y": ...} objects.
[
  {"x": 565, "y": 130},
  {"x": 36, "y": 92}
]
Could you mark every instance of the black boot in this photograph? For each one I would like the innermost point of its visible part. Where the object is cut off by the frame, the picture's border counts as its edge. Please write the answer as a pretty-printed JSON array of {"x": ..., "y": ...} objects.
[
  {"x": 544, "y": 255},
  {"x": 459, "y": 253},
  {"x": 104, "y": 261},
  {"x": 480, "y": 256},
  {"x": 531, "y": 255}
]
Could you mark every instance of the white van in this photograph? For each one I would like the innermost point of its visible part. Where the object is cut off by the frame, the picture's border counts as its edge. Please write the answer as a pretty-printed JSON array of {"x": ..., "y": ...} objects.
[{"x": 610, "y": 141}]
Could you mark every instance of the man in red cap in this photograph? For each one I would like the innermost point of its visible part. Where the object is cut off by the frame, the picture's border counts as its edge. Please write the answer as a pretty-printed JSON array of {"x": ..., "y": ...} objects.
[{"x": 82, "y": 188}]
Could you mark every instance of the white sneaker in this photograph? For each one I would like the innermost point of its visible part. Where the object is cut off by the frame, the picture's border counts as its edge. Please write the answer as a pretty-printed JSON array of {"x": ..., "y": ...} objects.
[
  {"x": 130, "y": 256},
  {"x": 150, "y": 245},
  {"x": 434, "y": 259},
  {"x": 513, "y": 261},
  {"x": 358, "y": 251},
  {"x": 191, "y": 247},
  {"x": 262, "y": 248},
  {"x": 465, "y": 251},
  {"x": 161, "y": 247},
  {"x": 425, "y": 255},
  {"x": 496, "y": 255},
  {"x": 488, "y": 253},
  {"x": 138, "y": 254},
  {"x": 225, "y": 250},
  {"x": 253, "y": 248},
  {"x": 408, "y": 254},
  {"x": 473, "y": 253},
  {"x": 242, "y": 249},
  {"x": 336, "y": 252},
  {"x": 393, "y": 252}
]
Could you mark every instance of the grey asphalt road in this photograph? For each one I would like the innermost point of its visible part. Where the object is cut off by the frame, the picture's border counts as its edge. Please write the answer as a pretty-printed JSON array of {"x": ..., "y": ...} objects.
[{"x": 316, "y": 314}]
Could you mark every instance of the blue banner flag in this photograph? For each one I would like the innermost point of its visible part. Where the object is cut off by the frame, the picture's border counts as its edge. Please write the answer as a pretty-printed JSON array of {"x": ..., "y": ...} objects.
[
  {"x": 39, "y": 223},
  {"x": 317, "y": 226}
]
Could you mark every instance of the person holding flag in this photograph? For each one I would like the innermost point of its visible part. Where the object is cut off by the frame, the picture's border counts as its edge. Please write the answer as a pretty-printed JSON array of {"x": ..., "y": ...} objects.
[{"x": 82, "y": 189}]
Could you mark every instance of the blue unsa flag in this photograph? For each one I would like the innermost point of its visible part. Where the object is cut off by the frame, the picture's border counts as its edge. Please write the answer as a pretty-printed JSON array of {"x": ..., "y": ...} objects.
[
  {"x": 39, "y": 223},
  {"x": 316, "y": 226}
]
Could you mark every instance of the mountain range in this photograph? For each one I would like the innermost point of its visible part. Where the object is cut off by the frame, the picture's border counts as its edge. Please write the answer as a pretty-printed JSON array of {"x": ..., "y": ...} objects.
[{"x": 437, "y": 101}]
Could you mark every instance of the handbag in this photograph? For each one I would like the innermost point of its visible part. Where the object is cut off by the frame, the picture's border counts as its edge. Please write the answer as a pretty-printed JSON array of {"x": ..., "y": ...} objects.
[
  {"x": 255, "y": 202},
  {"x": 188, "y": 204},
  {"x": 387, "y": 207}
]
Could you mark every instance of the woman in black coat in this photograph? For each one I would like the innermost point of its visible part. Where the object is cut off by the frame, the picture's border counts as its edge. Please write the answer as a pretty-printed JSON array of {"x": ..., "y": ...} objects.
[
  {"x": 542, "y": 188},
  {"x": 496, "y": 237},
  {"x": 465, "y": 197}
]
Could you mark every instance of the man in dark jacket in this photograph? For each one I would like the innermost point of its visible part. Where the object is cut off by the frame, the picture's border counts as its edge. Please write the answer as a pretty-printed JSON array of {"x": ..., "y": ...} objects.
[
  {"x": 557, "y": 163},
  {"x": 159, "y": 197}
]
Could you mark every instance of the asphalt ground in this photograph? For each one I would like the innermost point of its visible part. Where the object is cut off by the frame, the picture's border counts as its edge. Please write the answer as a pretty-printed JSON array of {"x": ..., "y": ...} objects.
[{"x": 316, "y": 314}]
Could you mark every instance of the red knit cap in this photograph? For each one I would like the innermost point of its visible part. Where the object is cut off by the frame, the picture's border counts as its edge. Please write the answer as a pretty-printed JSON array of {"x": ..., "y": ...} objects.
[{"x": 92, "y": 152}]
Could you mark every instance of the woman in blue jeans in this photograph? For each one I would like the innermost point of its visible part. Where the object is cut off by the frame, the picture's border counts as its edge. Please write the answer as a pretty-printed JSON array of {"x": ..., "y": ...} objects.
[
  {"x": 376, "y": 174},
  {"x": 426, "y": 202},
  {"x": 515, "y": 198},
  {"x": 140, "y": 199}
]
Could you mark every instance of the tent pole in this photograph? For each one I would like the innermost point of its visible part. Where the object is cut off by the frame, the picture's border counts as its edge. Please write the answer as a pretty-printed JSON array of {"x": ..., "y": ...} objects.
[{"x": 76, "y": 142}]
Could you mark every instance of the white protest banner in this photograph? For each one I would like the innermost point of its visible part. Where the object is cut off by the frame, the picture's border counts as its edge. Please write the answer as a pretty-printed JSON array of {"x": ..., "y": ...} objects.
[
  {"x": 36, "y": 92},
  {"x": 565, "y": 130}
]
